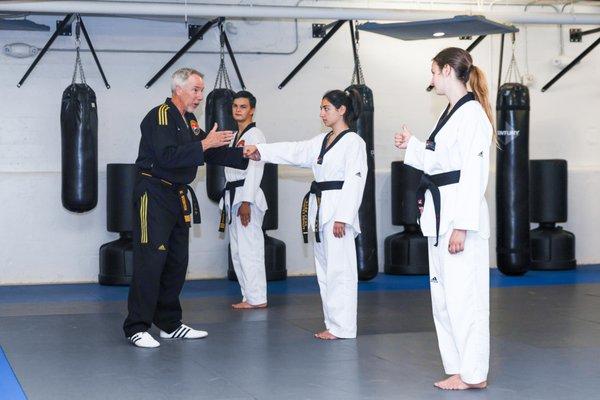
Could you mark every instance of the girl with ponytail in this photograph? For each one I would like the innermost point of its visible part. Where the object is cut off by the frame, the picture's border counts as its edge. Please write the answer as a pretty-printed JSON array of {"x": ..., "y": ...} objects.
[
  {"x": 338, "y": 160},
  {"x": 455, "y": 216}
]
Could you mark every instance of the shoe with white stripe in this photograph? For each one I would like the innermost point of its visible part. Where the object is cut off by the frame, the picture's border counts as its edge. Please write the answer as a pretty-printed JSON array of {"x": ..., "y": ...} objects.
[
  {"x": 183, "y": 332},
  {"x": 143, "y": 339}
]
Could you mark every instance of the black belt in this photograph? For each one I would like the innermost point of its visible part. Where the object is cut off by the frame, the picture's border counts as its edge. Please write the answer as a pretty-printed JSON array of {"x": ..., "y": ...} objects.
[
  {"x": 316, "y": 188},
  {"x": 433, "y": 183},
  {"x": 181, "y": 190},
  {"x": 229, "y": 187}
]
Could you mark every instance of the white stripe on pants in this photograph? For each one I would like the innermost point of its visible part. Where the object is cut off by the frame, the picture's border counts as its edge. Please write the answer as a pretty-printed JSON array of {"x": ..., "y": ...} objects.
[
  {"x": 335, "y": 262},
  {"x": 248, "y": 255},
  {"x": 460, "y": 301}
]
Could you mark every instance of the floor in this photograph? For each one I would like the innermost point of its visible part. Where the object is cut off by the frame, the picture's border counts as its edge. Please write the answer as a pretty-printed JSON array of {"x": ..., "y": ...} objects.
[{"x": 65, "y": 342}]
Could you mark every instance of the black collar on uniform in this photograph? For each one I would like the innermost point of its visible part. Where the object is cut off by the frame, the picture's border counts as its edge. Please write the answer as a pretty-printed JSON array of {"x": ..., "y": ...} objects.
[
  {"x": 238, "y": 135},
  {"x": 325, "y": 149},
  {"x": 430, "y": 145},
  {"x": 183, "y": 122}
]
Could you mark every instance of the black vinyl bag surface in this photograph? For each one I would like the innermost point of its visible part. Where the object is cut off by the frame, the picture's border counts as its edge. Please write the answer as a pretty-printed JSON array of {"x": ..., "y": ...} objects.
[
  {"x": 366, "y": 242},
  {"x": 218, "y": 109},
  {"x": 79, "y": 148},
  {"x": 512, "y": 179}
]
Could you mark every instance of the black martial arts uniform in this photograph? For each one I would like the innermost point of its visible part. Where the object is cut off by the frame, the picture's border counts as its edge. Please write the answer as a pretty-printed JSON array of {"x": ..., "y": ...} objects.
[{"x": 169, "y": 155}]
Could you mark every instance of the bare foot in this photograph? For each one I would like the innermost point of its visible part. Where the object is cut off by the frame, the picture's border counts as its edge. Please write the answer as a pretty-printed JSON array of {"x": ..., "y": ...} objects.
[
  {"x": 326, "y": 335},
  {"x": 244, "y": 305},
  {"x": 444, "y": 383},
  {"x": 456, "y": 383}
]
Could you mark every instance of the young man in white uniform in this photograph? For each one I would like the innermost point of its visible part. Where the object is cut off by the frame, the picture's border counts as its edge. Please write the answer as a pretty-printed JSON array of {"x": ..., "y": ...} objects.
[
  {"x": 243, "y": 208},
  {"x": 339, "y": 162},
  {"x": 455, "y": 217}
]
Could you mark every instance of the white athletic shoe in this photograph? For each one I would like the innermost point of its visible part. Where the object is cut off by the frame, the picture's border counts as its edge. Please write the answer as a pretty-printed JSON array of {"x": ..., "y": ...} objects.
[
  {"x": 143, "y": 339},
  {"x": 183, "y": 332}
]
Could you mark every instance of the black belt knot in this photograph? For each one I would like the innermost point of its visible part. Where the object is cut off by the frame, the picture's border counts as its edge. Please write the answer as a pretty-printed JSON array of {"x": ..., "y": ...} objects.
[
  {"x": 317, "y": 189},
  {"x": 181, "y": 190},
  {"x": 433, "y": 183},
  {"x": 229, "y": 187}
]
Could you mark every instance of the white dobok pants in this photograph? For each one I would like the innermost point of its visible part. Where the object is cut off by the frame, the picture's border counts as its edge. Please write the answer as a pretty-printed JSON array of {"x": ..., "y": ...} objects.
[
  {"x": 335, "y": 261},
  {"x": 248, "y": 255},
  {"x": 460, "y": 293}
]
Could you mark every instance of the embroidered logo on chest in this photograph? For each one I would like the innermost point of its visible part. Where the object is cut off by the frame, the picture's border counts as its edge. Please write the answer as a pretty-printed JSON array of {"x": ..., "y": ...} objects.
[{"x": 195, "y": 127}]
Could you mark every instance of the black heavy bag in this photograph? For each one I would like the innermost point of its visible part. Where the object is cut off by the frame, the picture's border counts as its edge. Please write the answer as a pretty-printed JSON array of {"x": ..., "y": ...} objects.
[
  {"x": 116, "y": 257},
  {"x": 552, "y": 247},
  {"x": 79, "y": 148},
  {"x": 270, "y": 187},
  {"x": 366, "y": 242},
  {"x": 512, "y": 179},
  {"x": 405, "y": 181},
  {"x": 120, "y": 181},
  {"x": 548, "y": 191},
  {"x": 218, "y": 109},
  {"x": 405, "y": 253}
]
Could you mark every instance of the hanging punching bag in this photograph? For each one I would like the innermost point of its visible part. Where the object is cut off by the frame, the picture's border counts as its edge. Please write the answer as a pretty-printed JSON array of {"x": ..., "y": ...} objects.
[
  {"x": 79, "y": 148},
  {"x": 218, "y": 109},
  {"x": 366, "y": 242},
  {"x": 512, "y": 179}
]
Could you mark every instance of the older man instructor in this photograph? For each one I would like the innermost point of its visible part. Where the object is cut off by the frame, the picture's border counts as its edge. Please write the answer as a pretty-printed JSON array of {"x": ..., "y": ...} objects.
[{"x": 172, "y": 147}]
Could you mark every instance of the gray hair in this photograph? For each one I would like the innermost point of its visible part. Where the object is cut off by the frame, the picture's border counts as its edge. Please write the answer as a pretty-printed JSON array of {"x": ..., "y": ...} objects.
[{"x": 180, "y": 77}]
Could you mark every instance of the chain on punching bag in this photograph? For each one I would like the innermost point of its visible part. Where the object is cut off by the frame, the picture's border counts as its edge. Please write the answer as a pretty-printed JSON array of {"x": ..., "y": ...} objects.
[
  {"x": 366, "y": 242},
  {"x": 512, "y": 175},
  {"x": 79, "y": 142},
  {"x": 218, "y": 110}
]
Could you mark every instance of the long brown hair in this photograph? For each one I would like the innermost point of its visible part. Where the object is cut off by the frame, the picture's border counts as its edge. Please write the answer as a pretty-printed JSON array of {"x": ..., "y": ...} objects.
[{"x": 462, "y": 63}]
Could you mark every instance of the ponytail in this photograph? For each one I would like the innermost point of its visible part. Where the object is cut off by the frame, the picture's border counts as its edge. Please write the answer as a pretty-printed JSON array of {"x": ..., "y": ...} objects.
[
  {"x": 357, "y": 104},
  {"x": 351, "y": 99},
  {"x": 480, "y": 90}
]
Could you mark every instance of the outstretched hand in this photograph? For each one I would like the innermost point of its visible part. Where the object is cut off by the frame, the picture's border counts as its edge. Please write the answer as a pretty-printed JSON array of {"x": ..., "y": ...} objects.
[
  {"x": 401, "y": 138},
  {"x": 252, "y": 152},
  {"x": 216, "y": 138}
]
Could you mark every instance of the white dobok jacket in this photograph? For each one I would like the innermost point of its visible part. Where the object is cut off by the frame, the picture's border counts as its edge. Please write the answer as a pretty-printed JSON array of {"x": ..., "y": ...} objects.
[
  {"x": 345, "y": 160},
  {"x": 462, "y": 143},
  {"x": 251, "y": 191}
]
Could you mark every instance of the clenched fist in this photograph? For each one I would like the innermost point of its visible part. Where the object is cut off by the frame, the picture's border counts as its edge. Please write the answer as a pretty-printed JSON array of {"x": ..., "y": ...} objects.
[
  {"x": 339, "y": 229},
  {"x": 252, "y": 152}
]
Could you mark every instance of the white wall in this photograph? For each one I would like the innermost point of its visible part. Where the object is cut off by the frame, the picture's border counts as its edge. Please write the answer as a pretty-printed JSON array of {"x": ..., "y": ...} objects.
[{"x": 42, "y": 242}]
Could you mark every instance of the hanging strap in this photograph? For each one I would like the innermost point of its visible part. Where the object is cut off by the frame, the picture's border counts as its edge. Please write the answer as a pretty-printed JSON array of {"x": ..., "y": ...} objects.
[
  {"x": 357, "y": 74},
  {"x": 78, "y": 64},
  {"x": 513, "y": 67},
  {"x": 222, "y": 79}
]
